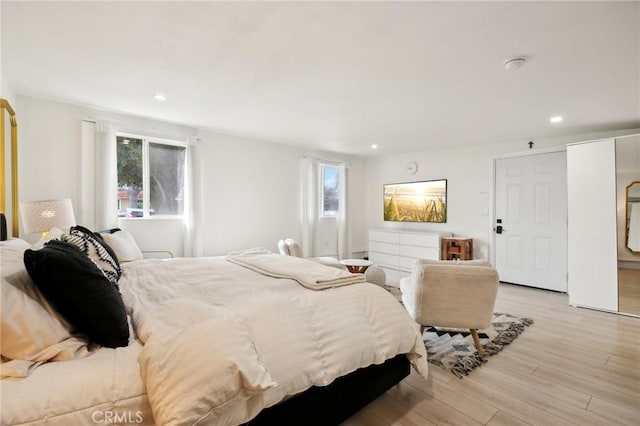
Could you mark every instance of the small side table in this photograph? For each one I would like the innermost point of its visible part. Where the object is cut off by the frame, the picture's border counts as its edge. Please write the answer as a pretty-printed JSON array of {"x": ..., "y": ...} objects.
[
  {"x": 356, "y": 266},
  {"x": 457, "y": 248}
]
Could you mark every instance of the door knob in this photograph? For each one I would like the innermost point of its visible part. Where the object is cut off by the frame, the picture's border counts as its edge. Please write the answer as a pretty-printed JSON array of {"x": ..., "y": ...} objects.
[{"x": 500, "y": 229}]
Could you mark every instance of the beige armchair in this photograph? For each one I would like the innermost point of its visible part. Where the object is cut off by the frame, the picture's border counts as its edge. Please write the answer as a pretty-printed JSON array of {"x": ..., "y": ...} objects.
[{"x": 451, "y": 294}]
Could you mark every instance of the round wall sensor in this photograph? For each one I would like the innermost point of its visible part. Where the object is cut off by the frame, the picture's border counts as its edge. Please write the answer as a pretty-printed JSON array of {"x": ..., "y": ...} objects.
[
  {"x": 514, "y": 64},
  {"x": 412, "y": 167}
]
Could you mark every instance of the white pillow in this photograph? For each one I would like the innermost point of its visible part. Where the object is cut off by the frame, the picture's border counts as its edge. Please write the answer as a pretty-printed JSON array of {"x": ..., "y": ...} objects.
[
  {"x": 123, "y": 244},
  {"x": 13, "y": 245},
  {"x": 32, "y": 331}
]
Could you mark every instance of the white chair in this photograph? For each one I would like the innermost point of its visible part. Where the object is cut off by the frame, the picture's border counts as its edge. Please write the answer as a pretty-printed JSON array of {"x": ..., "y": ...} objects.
[
  {"x": 456, "y": 294},
  {"x": 290, "y": 247}
]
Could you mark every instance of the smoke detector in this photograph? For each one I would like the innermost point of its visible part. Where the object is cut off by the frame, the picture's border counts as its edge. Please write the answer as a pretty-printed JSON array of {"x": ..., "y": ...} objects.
[{"x": 514, "y": 64}]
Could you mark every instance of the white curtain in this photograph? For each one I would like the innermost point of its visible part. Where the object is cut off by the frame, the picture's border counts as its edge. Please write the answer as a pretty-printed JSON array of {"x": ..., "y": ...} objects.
[
  {"x": 99, "y": 180},
  {"x": 344, "y": 228},
  {"x": 311, "y": 186},
  {"x": 106, "y": 176},
  {"x": 309, "y": 204},
  {"x": 85, "y": 215},
  {"x": 192, "y": 216}
]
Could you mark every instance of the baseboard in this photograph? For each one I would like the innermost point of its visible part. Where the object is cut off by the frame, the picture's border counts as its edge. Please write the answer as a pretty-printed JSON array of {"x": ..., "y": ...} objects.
[{"x": 629, "y": 264}]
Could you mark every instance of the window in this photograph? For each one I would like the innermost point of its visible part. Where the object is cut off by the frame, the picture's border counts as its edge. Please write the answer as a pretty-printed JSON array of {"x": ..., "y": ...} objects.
[
  {"x": 150, "y": 177},
  {"x": 329, "y": 178}
]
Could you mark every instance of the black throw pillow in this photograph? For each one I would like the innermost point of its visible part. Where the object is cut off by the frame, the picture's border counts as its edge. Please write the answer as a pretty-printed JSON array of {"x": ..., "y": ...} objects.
[
  {"x": 3, "y": 227},
  {"x": 78, "y": 289}
]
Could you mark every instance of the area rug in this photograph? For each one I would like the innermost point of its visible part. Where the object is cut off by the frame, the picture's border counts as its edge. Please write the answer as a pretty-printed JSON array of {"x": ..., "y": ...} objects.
[{"x": 453, "y": 349}]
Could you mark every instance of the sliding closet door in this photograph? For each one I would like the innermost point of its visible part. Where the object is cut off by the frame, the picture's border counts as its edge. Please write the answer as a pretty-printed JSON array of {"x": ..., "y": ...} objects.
[{"x": 592, "y": 246}]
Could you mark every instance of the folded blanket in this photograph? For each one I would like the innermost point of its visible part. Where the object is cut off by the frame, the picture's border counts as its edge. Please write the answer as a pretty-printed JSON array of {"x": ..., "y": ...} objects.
[{"x": 308, "y": 273}]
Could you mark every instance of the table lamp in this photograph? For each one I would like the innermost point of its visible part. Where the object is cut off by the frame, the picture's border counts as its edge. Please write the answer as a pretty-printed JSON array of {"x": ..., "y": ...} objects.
[{"x": 41, "y": 216}]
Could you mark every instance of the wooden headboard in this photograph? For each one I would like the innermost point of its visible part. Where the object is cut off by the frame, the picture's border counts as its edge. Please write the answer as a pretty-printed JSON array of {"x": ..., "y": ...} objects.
[{"x": 7, "y": 110}]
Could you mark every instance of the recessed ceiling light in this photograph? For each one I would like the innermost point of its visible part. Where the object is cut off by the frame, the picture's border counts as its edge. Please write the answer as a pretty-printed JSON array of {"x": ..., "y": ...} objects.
[
  {"x": 374, "y": 146},
  {"x": 556, "y": 119},
  {"x": 514, "y": 64},
  {"x": 159, "y": 97}
]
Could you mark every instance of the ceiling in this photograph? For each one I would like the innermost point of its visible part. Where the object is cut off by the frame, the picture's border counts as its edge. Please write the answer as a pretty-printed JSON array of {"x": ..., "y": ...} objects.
[{"x": 338, "y": 76}]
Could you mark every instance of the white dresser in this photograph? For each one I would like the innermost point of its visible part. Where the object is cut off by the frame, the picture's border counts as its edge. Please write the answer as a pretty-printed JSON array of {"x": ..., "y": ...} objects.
[{"x": 397, "y": 250}]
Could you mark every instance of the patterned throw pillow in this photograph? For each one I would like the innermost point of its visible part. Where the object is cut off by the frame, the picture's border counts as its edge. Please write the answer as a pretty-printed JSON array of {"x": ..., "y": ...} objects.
[{"x": 98, "y": 251}]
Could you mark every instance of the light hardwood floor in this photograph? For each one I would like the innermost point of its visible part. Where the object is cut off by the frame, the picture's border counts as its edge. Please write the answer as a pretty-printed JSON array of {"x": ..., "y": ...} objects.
[
  {"x": 629, "y": 290},
  {"x": 574, "y": 366}
]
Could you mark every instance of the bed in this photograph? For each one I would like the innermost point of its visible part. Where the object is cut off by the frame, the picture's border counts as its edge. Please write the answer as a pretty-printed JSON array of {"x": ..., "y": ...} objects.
[{"x": 236, "y": 339}]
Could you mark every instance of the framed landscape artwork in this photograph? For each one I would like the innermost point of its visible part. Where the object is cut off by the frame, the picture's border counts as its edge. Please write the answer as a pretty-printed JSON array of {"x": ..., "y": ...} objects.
[{"x": 424, "y": 201}]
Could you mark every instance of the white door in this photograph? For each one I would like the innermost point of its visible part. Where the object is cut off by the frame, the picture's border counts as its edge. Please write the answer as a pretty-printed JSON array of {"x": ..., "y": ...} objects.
[{"x": 531, "y": 220}]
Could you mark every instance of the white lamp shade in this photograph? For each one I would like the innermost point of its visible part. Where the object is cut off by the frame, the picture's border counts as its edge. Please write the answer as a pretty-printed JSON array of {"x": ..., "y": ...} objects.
[{"x": 41, "y": 216}]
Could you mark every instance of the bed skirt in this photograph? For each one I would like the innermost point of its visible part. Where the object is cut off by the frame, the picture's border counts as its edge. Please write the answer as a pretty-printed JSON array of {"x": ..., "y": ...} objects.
[{"x": 332, "y": 404}]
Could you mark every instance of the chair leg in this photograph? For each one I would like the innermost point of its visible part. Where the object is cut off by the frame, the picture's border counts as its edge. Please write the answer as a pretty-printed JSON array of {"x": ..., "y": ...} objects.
[{"x": 476, "y": 341}]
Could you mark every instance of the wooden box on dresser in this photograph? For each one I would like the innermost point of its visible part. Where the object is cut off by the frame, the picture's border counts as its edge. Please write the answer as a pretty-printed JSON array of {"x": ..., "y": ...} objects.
[{"x": 397, "y": 250}]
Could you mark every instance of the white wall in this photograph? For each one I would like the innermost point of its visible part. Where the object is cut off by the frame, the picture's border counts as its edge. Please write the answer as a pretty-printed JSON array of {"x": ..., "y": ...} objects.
[
  {"x": 50, "y": 145},
  {"x": 248, "y": 191},
  {"x": 251, "y": 193},
  {"x": 49, "y": 159},
  {"x": 5, "y": 90},
  {"x": 469, "y": 174}
]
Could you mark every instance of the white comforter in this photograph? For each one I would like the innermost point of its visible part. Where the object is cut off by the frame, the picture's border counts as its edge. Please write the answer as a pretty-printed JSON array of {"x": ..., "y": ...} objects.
[{"x": 222, "y": 341}]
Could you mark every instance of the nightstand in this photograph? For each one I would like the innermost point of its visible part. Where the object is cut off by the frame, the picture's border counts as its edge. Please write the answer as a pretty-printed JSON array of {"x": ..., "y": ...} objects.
[{"x": 456, "y": 248}]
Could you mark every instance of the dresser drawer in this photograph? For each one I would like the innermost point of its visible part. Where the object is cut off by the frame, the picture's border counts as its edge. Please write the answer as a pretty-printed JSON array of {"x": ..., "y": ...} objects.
[
  {"x": 406, "y": 263},
  {"x": 387, "y": 248},
  {"x": 384, "y": 259},
  {"x": 398, "y": 249},
  {"x": 428, "y": 240},
  {"x": 384, "y": 237},
  {"x": 420, "y": 252}
]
